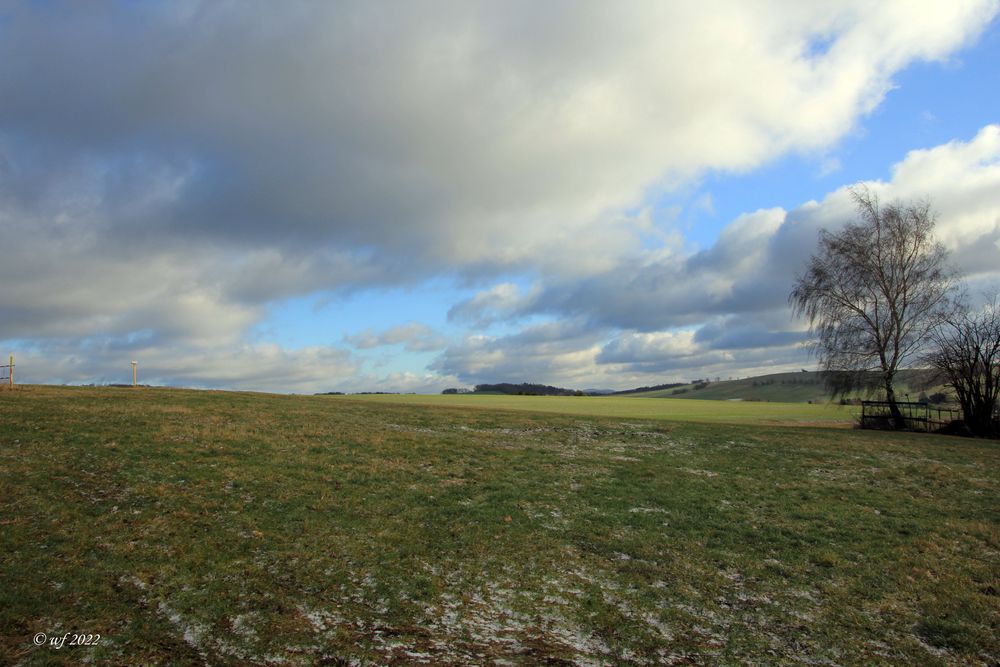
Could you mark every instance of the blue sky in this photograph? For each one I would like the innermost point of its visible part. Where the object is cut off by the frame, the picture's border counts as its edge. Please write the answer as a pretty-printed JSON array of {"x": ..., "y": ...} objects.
[
  {"x": 931, "y": 103},
  {"x": 250, "y": 198}
]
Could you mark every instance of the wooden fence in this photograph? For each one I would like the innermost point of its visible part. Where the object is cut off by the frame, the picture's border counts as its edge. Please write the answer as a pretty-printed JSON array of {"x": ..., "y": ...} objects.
[{"x": 917, "y": 416}]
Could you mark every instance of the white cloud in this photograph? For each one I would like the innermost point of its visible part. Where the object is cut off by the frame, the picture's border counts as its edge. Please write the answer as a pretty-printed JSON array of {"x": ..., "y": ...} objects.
[
  {"x": 560, "y": 352},
  {"x": 730, "y": 301},
  {"x": 169, "y": 170},
  {"x": 568, "y": 354},
  {"x": 751, "y": 266},
  {"x": 414, "y": 336},
  {"x": 645, "y": 347},
  {"x": 265, "y": 367},
  {"x": 500, "y": 302},
  {"x": 240, "y": 366},
  {"x": 962, "y": 179},
  {"x": 472, "y": 134}
]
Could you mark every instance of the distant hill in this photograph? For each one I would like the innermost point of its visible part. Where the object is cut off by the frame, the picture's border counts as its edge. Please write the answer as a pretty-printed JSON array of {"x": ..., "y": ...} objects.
[
  {"x": 656, "y": 387},
  {"x": 797, "y": 387}
]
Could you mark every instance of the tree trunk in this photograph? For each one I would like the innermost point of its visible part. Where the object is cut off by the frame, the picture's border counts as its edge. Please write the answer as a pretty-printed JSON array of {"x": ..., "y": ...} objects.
[
  {"x": 979, "y": 416},
  {"x": 898, "y": 421}
]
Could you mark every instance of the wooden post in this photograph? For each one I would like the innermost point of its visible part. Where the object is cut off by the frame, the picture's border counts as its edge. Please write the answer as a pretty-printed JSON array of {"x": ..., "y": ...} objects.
[
  {"x": 134, "y": 377},
  {"x": 10, "y": 378}
]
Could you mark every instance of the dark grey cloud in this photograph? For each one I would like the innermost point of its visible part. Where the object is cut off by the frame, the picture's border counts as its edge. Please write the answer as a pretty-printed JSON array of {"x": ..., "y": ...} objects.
[
  {"x": 724, "y": 310},
  {"x": 561, "y": 351},
  {"x": 168, "y": 170},
  {"x": 432, "y": 131},
  {"x": 750, "y": 269},
  {"x": 575, "y": 354},
  {"x": 737, "y": 333}
]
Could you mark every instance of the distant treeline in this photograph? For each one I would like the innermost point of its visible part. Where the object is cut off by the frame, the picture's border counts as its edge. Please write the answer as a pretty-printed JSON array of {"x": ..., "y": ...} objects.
[
  {"x": 530, "y": 389},
  {"x": 361, "y": 393},
  {"x": 525, "y": 389}
]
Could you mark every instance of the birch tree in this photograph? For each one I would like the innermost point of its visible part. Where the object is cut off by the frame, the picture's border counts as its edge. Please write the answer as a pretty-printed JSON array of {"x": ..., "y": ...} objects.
[{"x": 873, "y": 294}]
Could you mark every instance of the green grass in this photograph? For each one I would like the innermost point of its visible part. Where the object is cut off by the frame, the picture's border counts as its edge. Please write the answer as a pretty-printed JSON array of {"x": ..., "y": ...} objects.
[
  {"x": 708, "y": 411},
  {"x": 797, "y": 387},
  {"x": 224, "y": 528}
]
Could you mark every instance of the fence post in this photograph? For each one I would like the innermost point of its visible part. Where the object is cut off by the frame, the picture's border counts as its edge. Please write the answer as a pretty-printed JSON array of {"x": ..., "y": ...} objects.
[
  {"x": 10, "y": 378},
  {"x": 134, "y": 374}
]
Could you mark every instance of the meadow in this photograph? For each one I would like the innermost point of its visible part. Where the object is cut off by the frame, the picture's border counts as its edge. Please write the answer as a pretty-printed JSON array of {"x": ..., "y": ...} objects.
[
  {"x": 635, "y": 407},
  {"x": 797, "y": 387},
  {"x": 192, "y": 527}
]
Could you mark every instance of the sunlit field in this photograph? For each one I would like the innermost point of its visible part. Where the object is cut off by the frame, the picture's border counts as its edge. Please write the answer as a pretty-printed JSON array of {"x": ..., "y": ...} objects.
[
  {"x": 728, "y": 412},
  {"x": 188, "y": 527}
]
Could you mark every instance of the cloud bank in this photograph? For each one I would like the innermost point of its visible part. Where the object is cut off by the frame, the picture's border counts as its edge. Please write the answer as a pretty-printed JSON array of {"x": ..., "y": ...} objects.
[
  {"x": 724, "y": 310},
  {"x": 168, "y": 171}
]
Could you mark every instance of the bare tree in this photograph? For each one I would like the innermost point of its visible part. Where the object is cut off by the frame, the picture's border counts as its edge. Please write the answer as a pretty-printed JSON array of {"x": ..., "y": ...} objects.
[
  {"x": 966, "y": 356},
  {"x": 873, "y": 293}
]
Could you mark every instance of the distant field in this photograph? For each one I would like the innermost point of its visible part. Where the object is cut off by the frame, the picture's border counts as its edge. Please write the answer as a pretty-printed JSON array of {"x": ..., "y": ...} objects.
[
  {"x": 192, "y": 528},
  {"x": 707, "y": 411}
]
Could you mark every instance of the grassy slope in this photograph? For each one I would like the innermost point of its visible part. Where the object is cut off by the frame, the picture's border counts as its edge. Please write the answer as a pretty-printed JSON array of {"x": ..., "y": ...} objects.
[
  {"x": 795, "y": 387},
  {"x": 204, "y": 527},
  {"x": 708, "y": 411}
]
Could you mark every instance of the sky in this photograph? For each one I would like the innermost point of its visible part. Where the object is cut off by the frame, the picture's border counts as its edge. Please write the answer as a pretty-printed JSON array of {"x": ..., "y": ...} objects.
[{"x": 373, "y": 196}]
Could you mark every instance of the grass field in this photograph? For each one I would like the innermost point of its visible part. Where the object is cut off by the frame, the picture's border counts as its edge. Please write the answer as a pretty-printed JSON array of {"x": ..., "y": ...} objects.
[
  {"x": 217, "y": 528},
  {"x": 797, "y": 387},
  {"x": 707, "y": 411}
]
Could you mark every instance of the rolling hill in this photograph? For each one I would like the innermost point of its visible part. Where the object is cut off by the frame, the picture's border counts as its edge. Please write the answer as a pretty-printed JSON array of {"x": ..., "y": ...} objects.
[{"x": 797, "y": 387}]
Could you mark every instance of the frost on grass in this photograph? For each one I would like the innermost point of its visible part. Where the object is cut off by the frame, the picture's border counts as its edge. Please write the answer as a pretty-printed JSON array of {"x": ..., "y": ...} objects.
[
  {"x": 193, "y": 632},
  {"x": 548, "y": 515},
  {"x": 199, "y": 636},
  {"x": 475, "y": 620},
  {"x": 493, "y": 622},
  {"x": 412, "y": 429},
  {"x": 701, "y": 473},
  {"x": 244, "y": 626}
]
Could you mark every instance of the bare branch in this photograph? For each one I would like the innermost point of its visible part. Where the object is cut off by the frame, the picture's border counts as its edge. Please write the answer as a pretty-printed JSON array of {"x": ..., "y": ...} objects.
[
  {"x": 966, "y": 356},
  {"x": 874, "y": 292}
]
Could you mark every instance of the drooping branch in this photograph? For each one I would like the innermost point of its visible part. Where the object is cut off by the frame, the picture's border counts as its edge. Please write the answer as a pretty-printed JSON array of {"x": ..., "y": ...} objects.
[{"x": 874, "y": 291}]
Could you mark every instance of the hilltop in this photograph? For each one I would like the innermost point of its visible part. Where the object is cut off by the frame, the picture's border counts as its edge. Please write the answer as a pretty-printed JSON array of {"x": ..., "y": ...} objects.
[{"x": 796, "y": 387}]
